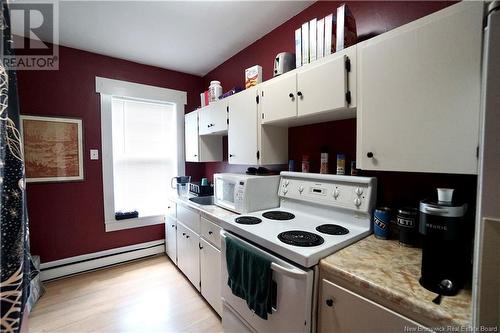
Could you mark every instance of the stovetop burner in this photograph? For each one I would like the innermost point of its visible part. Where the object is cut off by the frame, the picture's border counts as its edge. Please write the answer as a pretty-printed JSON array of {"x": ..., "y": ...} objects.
[
  {"x": 278, "y": 215},
  {"x": 300, "y": 238},
  {"x": 247, "y": 220},
  {"x": 332, "y": 229}
]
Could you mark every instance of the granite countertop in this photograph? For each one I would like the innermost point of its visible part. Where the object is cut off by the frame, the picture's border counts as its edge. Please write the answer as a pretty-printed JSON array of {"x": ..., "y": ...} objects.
[
  {"x": 213, "y": 212},
  {"x": 387, "y": 270}
]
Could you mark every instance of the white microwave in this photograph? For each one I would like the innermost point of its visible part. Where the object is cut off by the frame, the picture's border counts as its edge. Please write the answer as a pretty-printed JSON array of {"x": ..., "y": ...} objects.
[{"x": 243, "y": 194}]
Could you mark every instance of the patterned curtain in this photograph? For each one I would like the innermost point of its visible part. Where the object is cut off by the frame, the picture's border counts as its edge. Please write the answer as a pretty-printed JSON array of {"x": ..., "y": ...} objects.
[{"x": 14, "y": 254}]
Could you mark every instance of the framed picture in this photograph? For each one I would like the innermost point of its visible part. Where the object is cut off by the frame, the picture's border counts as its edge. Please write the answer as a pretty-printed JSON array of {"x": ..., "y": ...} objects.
[{"x": 53, "y": 148}]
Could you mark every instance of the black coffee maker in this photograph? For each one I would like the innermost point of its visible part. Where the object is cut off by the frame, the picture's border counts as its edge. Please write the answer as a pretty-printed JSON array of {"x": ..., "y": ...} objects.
[{"x": 444, "y": 246}]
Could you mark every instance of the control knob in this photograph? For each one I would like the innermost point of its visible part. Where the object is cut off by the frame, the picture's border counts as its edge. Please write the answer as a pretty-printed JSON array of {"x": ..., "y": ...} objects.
[
  {"x": 358, "y": 191},
  {"x": 301, "y": 189},
  {"x": 357, "y": 202},
  {"x": 336, "y": 193}
]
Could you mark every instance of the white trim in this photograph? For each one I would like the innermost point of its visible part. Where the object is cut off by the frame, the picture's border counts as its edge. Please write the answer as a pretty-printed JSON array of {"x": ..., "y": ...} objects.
[
  {"x": 108, "y": 89},
  {"x": 79, "y": 124},
  {"x": 73, "y": 265},
  {"x": 114, "y": 225},
  {"x": 141, "y": 91}
]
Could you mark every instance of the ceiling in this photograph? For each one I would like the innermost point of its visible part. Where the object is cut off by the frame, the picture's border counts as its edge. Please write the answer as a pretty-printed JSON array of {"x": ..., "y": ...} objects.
[{"x": 188, "y": 36}]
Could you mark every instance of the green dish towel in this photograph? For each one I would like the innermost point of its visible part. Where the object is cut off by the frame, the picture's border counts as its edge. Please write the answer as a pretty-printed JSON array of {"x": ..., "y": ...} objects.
[{"x": 250, "y": 277}]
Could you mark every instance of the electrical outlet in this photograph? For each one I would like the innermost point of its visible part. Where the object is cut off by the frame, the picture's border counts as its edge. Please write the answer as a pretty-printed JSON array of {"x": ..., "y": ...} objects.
[{"x": 94, "y": 154}]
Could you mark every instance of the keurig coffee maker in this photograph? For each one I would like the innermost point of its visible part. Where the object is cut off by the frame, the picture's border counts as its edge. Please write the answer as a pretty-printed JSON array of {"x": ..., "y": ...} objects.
[{"x": 444, "y": 246}]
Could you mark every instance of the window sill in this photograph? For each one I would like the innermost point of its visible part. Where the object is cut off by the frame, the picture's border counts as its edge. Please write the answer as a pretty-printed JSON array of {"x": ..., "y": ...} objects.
[{"x": 114, "y": 225}]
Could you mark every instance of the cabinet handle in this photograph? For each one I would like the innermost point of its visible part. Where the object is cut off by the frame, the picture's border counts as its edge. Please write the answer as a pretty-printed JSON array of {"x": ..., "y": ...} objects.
[
  {"x": 231, "y": 155},
  {"x": 299, "y": 93},
  {"x": 200, "y": 246},
  {"x": 195, "y": 155},
  {"x": 187, "y": 236},
  {"x": 369, "y": 154},
  {"x": 173, "y": 225},
  {"x": 183, "y": 234},
  {"x": 210, "y": 232},
  {"x": 329, "y": 302},
  {"x": 291, "y": 95}
]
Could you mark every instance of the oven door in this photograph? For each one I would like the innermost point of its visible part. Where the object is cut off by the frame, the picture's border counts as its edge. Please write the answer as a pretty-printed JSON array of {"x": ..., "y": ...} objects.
[{"x": 293, "y": 312}]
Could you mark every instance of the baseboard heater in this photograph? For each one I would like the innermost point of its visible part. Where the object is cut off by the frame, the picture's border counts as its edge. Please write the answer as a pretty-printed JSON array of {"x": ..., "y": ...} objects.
[{"x": 87, "y": 262}]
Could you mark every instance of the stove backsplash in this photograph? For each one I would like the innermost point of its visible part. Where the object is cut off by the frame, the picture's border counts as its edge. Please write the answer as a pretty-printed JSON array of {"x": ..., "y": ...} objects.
[{"x": 395, "y": 189}]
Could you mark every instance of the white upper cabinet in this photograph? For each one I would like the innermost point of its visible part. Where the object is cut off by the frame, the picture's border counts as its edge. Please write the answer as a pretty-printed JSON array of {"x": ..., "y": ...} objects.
[
  {"x": 248, "y": 141},
  {"x": 242, "y": 130},
  {"x": 200, "y": 148},
  {"x": 419, "y": 94},
  {"x": 321, "y": 91},
  {"x": 191, "y": 136},
  {"x": 278, "y": 98},
  {"x": 213, "y": 118}
]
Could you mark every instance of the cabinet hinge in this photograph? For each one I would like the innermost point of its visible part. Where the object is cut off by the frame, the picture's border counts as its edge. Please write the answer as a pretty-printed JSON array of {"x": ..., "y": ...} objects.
[
  {"x": 262, "y": 93},
  {"x": 227, "y": 120},
  {"x": 347, "y": 64},
  {"x": 258, "y": 154},
  {"x": 477, "y": 152},
  {"x": 348, "y": 97},
  {"x": 262, "y": 115},
  {"x": 257, "y": 99}
]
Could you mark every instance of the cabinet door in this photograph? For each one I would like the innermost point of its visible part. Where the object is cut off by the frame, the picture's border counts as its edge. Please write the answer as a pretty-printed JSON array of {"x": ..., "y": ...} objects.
[
  {"x": 205, "y": 119},
  {"x": 419, "y": 94},
  {"x": 210, "y": 271},
  {"x": 191, "y": 136},
  {"x": 171, "y": 238},
  {"x": 322, "y": 87},
  {"x": 242, "y": 129},
  {"x": 219, "y": 117},
  {"x": 341, "y": 310},
  {"x": 188, "y": 256},
  {"x": 278, "y": 98},
  {"x": 189, "y": 217}
]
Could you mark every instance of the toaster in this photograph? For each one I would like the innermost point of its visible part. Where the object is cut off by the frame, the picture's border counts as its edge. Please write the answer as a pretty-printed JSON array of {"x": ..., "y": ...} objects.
[{"x": 283, "y": 62}]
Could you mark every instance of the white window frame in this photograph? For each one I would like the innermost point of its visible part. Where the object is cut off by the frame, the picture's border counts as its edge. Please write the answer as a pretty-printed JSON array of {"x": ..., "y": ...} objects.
[{"x": 109, "y": 88}]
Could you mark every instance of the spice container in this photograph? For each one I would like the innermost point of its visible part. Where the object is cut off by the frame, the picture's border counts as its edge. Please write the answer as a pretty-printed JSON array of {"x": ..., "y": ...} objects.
[
  {"x": 324, "y": 163},
  {"x": 340, "y": 164},
  {"x": 305, "y": 163}
]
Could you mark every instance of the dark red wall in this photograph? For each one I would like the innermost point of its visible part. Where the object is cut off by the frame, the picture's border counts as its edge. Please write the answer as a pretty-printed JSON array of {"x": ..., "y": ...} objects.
[
  {"x": 67, "y": 219},
  {"x": 372, "y": 18}
]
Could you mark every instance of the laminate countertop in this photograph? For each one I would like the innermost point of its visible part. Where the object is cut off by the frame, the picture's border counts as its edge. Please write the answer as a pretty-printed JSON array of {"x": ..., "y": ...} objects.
[
  {"x": 385, "y": 270},
  {"x": 212, "y": 212}
]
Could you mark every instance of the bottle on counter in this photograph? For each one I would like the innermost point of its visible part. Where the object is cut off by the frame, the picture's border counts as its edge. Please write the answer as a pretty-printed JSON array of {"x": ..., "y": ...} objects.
[
  {"x": 291, "y": 165},
  {"x": 354, "y": 171},
  {"x": 305, "y": 163},
  {"x": 340, "y": 164},
  {"x": 324, "y": 162}
]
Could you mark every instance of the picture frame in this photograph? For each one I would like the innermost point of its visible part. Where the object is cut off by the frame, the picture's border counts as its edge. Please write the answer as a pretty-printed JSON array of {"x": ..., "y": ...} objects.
[{"x": 53, "y": 148}]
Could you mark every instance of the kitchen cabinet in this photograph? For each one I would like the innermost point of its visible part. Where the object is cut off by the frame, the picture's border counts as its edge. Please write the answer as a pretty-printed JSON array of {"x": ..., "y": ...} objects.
[
  {"x": 206, "y": 148},
  {"x": 213, "y": 118},
  {"x": 210, "y": 274},
  {"x": 419, "y": 94},
  {"x": 340, "y": 311},
  {"x": 249, "y": 142},
  {"x": 211, "y": 232},
  {"x": 321, "y": 91},
  {"x": 188, "y": 256},
  {"x": 189, "y": 217},
  {"x": 171, "y": 238}
]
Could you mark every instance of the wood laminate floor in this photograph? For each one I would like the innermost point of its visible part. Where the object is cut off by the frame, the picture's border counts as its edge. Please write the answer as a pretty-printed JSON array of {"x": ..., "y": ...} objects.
[{"x": 148, "y": 296}]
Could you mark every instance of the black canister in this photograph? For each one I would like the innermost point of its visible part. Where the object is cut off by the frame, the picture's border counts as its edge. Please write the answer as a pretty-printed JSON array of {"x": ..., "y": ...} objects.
[{"x": 407, "y": 220}]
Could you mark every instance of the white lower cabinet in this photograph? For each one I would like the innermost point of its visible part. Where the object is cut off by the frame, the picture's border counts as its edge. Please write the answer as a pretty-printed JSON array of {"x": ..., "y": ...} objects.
[
  {"x": 343, "y": 311},
  {"x": 188, "y": 253},
  {"x": 171, "y": 238},
  {"x": 210, "y": 267}
]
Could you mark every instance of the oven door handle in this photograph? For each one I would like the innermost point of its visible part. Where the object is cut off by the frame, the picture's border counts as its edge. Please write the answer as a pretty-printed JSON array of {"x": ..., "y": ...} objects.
[
  {"x": 290, "y": 272},
  {"x": 293, "y": 273}
]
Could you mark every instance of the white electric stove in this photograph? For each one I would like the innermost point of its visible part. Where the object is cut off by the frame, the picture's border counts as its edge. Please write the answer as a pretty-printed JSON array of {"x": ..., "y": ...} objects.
[{"x": 317, "y": 216}]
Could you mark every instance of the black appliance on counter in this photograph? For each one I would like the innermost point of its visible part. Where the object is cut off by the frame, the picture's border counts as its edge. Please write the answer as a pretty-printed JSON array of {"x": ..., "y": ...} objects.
[
  {"x": 445, "y": 245},
  {"x": 199, "y": 190}
]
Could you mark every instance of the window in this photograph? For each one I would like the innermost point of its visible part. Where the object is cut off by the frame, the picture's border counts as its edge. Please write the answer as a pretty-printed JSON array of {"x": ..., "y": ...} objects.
[{"x": 142, "y": 149}]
